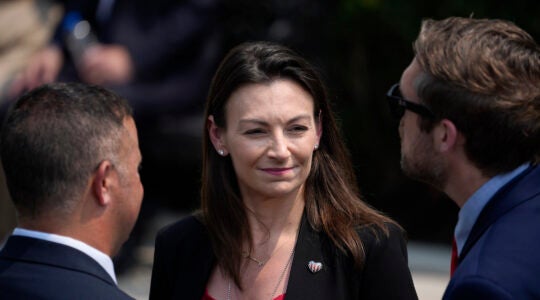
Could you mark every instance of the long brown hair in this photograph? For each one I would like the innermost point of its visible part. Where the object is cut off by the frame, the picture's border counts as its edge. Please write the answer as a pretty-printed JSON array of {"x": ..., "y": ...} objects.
[{"x": 332, "y": 201}]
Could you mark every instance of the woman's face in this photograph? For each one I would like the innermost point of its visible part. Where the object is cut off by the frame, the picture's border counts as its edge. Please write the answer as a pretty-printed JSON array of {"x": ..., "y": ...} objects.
[{"x": 271, "y": 133}]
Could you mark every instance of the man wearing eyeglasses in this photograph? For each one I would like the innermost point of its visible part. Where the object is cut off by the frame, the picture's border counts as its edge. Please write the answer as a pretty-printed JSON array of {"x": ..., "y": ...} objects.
[{"x": 469, "y": 110}]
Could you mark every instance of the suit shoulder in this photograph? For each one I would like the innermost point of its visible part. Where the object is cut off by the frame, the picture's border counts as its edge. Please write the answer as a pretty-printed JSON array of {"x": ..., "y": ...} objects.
[
  {"x": 186, "y": 235},
  {"x": 378, "y": 241},
  {"x": 476, "y": 287},
  {"x": 373, "y": 234},
  {"x": 25, "y": 280},
  {"x": 385, "y": 274},
  {"x": 186, "y": 227}
]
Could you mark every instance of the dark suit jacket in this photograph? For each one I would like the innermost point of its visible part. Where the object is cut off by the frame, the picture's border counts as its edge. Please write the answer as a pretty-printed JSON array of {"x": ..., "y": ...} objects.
[
  {"x": 501, "y": 258},
  {"x": 36, "y": 269},
  {"x": 184, "y": 261}
]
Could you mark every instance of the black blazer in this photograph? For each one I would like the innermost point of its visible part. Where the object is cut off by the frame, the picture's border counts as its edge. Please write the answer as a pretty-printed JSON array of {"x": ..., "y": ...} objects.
[
  {"x": 37, "y": 269},
  {"x": 184, "y": 260}
]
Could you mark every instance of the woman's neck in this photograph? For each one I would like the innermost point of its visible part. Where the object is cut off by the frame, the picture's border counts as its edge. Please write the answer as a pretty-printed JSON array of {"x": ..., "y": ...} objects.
[{"x": 271, "y": 218}]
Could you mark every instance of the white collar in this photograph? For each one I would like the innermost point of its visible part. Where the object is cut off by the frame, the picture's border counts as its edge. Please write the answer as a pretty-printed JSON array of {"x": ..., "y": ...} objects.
[{"x": 101, "y": 258}]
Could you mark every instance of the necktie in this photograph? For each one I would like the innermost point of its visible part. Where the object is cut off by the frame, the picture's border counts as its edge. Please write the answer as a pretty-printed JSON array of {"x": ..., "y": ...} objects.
[{"x": 454, "y": 262}]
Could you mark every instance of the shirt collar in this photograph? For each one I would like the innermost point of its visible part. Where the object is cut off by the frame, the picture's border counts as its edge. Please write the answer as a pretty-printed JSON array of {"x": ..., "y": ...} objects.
[
  {"x": 101, "y": 258},
  {"x": 472, "y": 208}
]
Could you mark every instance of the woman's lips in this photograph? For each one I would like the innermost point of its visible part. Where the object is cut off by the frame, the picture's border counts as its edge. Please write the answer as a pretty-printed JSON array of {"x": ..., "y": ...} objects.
[{"x": 276, "y": 171}]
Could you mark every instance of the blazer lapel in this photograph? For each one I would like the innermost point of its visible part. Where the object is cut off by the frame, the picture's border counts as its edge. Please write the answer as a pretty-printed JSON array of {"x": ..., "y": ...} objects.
[
  {"x": 193, "y": 286},
  {"x": 517, "y": 191},
  {"x": 304, "y": 284}
]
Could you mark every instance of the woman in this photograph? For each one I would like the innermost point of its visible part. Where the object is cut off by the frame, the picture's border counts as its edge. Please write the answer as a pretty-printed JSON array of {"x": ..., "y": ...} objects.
[{"x": 281, "y": 216}]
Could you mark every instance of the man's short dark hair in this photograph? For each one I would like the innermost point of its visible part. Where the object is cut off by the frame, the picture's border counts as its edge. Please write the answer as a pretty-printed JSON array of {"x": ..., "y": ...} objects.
[{"x": 52, "y": 140}]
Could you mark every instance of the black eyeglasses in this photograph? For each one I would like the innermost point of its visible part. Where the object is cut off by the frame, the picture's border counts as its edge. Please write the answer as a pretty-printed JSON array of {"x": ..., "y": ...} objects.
[{"x": 398, "y": 104}]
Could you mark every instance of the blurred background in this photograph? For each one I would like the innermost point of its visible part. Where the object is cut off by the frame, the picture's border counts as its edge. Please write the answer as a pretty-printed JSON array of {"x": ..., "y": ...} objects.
[{"x": 360, "y": 47}]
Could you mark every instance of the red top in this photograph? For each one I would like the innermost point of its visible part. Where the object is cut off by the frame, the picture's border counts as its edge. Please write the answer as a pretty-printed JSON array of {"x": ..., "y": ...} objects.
[{"x": 207, "y": 296}]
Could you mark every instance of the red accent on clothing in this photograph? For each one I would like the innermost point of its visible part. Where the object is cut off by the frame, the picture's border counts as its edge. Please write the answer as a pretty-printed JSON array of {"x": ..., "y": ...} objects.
[
  {"x": 454, "y": 261},
  {"x": 207, "y": 296}
]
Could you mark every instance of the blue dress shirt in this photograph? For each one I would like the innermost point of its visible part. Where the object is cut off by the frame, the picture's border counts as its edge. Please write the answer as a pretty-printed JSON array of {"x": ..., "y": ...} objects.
[{"x": 474, "y": 205}]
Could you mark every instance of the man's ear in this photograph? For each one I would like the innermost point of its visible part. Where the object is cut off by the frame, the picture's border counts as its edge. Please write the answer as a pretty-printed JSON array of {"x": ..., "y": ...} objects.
[
  {"x": 102, "y": 182},
  {"x": 446, "y": 136},
  {"x": 216, "y": 136}
]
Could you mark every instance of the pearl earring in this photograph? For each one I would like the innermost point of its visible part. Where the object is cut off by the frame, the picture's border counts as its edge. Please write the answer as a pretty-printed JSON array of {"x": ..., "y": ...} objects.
[
  {"x": 316, "y": 147},
  {"x": 221, "y": 152}
]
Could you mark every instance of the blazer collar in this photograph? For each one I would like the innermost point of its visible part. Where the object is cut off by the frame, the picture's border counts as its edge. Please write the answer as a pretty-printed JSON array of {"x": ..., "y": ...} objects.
[
  {"x": 310, "y": 246},
  {"x": 517, "y": 191},
  {"x": 21, "y": 248}
]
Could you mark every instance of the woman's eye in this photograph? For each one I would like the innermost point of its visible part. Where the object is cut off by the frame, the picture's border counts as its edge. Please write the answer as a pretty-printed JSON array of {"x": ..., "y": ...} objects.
[
  {"x": 254, "y": 131},
  {"x": 299, "y": 128}
]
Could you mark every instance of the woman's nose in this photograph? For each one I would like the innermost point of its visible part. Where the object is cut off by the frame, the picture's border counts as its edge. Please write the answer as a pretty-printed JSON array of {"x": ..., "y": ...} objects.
[{"x": 279, "y": 148}]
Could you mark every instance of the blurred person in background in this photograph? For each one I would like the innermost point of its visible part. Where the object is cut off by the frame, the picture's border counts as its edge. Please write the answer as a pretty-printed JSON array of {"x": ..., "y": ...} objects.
[
  {"x": 26, "y": 27},
  {"x": 156, "y": 54},
  {"x": 469, "y": 105},
  {"x": 71, "y": 156},
  {"x": 281, "y": 215},
  {"x": 159, "y": 55}
]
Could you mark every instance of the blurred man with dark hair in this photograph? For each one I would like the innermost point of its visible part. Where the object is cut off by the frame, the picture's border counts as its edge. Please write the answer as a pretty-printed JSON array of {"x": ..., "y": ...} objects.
[
  {"x": 70, "y": 154},
  {"x": 469, "y": 105}
]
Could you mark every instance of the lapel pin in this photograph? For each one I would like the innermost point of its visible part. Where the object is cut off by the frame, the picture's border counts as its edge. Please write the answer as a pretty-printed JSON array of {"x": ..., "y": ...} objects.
[{"x": 315, "y": 266}]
